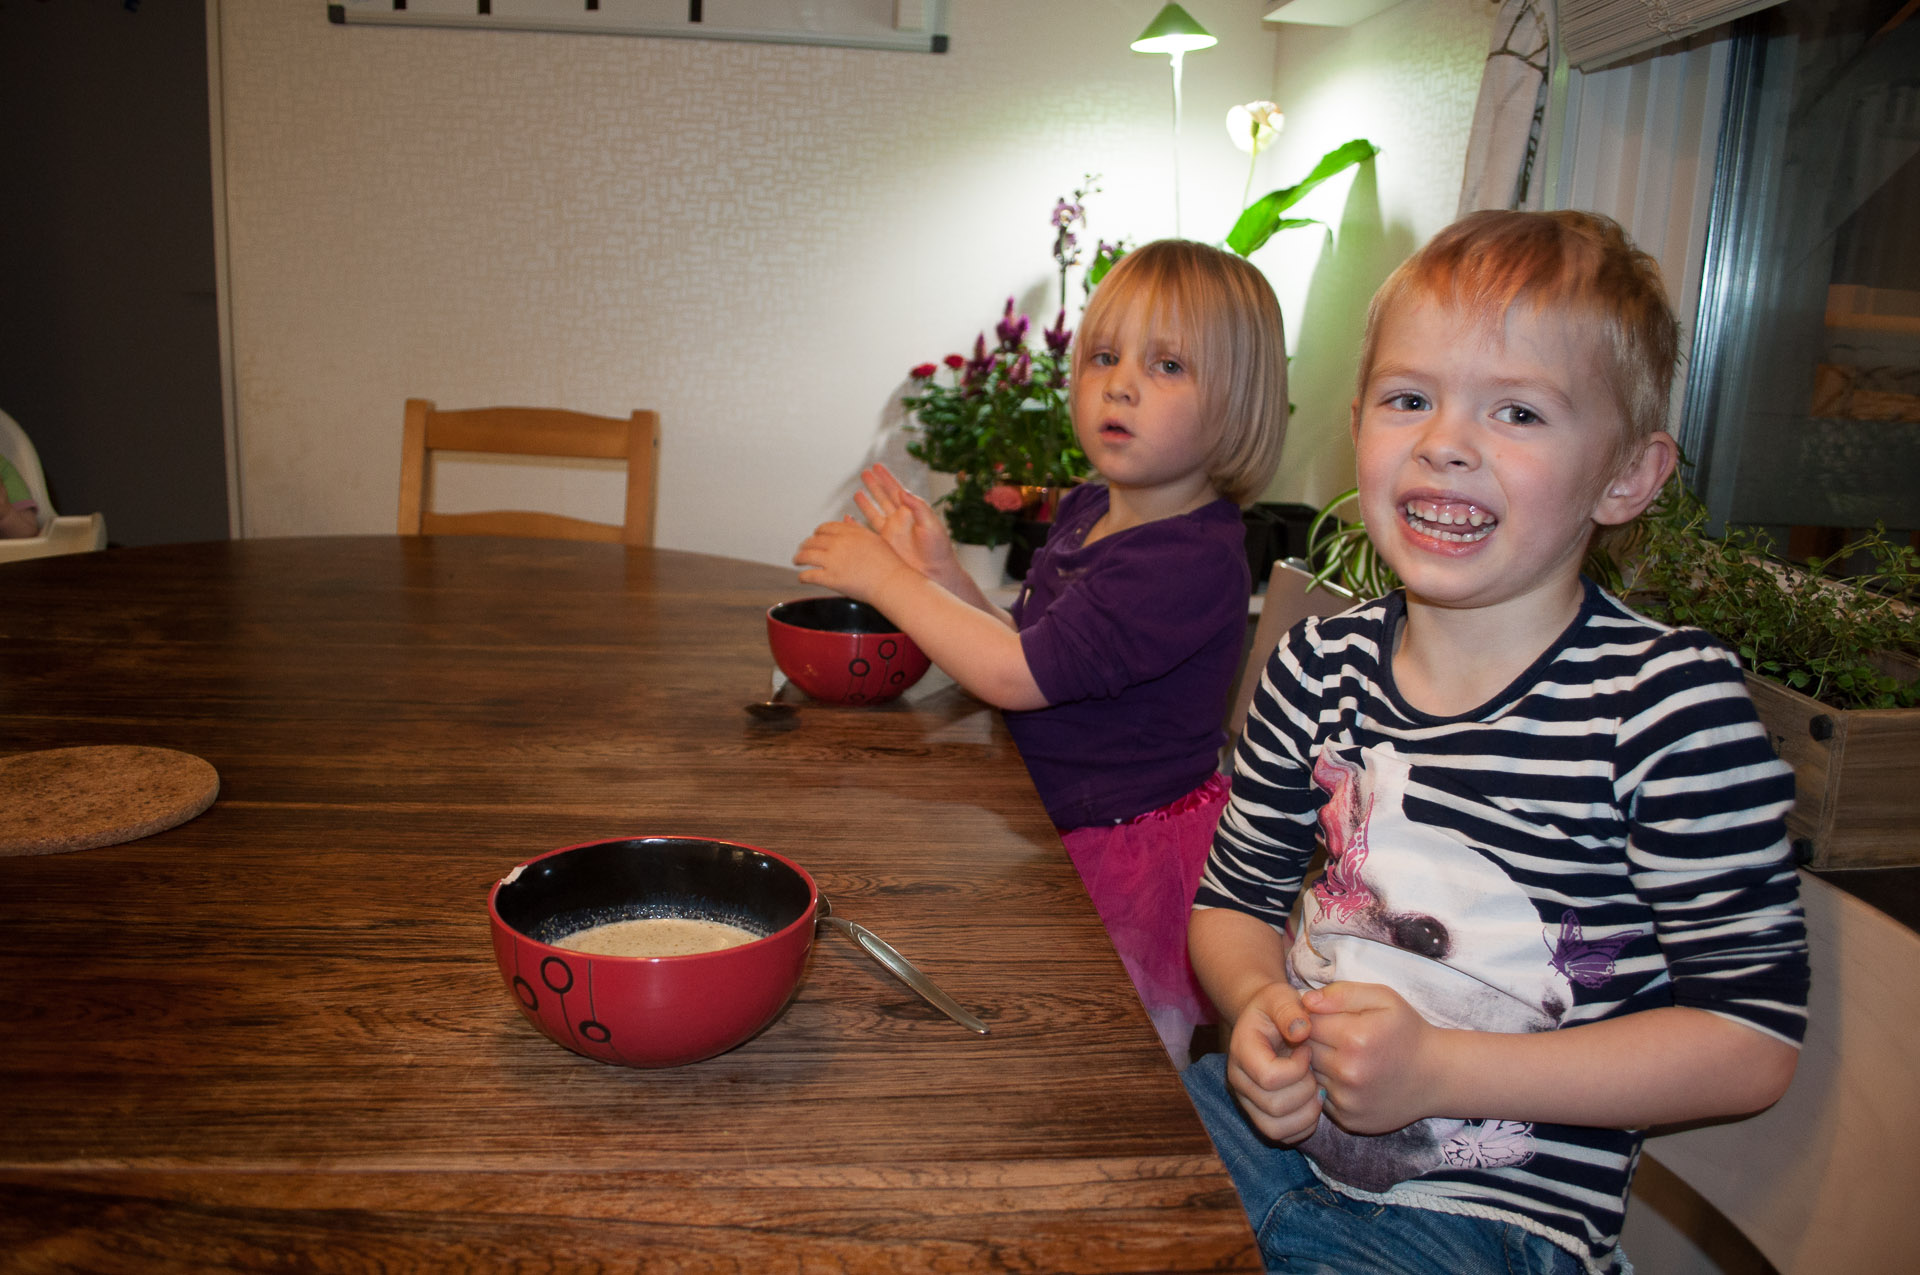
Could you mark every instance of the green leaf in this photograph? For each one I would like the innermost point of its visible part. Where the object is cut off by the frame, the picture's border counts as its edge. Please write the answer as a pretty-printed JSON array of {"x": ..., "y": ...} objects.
[{"x": 1262, "y": 219}]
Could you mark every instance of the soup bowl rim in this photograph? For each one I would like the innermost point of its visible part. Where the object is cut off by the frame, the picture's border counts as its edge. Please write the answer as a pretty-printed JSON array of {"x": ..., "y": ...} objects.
[{"x": 806, "y": 918}]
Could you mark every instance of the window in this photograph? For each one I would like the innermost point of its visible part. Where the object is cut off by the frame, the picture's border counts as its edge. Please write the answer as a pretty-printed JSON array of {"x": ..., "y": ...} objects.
[{"x": 1802, "y": 408}]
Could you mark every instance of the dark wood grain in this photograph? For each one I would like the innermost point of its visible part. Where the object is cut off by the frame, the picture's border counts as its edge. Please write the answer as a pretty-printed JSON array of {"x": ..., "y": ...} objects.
[{"x": 274, "y": 1037}]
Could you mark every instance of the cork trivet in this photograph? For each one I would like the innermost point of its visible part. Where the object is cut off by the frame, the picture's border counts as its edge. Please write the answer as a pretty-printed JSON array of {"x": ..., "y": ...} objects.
[{"x": 79, "y": 798}]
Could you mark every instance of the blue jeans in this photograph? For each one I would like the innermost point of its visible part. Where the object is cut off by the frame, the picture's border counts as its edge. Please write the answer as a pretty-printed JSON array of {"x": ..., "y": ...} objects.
[{"x": 1305, "y": 1225}]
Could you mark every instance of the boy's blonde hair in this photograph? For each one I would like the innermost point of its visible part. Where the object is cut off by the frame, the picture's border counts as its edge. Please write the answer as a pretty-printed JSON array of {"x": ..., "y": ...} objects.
[
  {"x": 1579, "y": 266},
  {"x": 1228, "y": 322}
]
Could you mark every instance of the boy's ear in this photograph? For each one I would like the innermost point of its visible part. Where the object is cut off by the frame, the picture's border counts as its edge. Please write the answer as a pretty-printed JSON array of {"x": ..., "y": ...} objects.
[{"x": 1638, "y": 482}]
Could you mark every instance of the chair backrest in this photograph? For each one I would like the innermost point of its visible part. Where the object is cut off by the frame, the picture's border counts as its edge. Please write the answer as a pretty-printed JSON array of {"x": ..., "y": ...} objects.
[
  {"x": 527, "y": 431},
  {"x": 1827, "y": 1178},
  {"x": 1288, "y": 601}
]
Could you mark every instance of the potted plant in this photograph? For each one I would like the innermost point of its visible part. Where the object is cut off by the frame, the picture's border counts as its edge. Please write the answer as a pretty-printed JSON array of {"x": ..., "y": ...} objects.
[
  {"x": 1001, "y": 424},
  {"x": 1832, "y": 661}
]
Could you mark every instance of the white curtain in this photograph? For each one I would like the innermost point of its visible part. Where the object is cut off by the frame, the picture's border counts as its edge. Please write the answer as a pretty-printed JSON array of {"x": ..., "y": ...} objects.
[
  {"x": 1594, "y": 33},
  {"x": 1504, "y": 146}
]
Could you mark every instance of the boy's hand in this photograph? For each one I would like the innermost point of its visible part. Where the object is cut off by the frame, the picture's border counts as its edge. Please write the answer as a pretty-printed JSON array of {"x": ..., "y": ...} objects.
[
  {"x": 1373, "y": 1054},
  {"x": 1268, "y": 1065},
  {"x": 849, "y": 559},
  {"x": 907, "y": 523}
]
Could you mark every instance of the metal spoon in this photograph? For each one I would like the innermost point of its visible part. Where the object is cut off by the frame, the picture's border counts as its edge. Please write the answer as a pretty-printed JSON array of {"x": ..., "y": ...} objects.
[
  {"x": 897, "y": 965},
  {"x": 773, "y": 708}
]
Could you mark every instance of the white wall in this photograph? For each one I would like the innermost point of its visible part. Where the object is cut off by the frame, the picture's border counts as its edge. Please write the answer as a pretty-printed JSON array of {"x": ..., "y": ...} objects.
[
  {"x": 1407, "y": 80},
  {"x": 757, "y": 240}
]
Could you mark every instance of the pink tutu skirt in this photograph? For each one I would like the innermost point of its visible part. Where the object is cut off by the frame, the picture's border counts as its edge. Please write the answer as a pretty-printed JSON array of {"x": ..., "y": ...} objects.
[{"x": 1142, "y": 875}]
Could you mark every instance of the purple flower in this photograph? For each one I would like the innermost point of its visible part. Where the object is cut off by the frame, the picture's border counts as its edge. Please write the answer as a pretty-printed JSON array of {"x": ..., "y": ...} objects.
[
  {"x": 980, "y": 364},
  {"x": 1065, "y": 213},
  {"x": 1011, "y": 330},
  {"x": 1022, "y": 370},
  {"x": 1057, "y": 336}
]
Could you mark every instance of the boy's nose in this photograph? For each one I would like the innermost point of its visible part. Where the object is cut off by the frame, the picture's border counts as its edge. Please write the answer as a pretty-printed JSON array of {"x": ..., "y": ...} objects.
[{"x": 1447, "y": 443}]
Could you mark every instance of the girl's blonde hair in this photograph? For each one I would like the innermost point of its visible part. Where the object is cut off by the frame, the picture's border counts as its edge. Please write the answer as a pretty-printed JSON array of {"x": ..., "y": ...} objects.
[
  {"x": 1578, "y": 266},
  {"x": 1228, "y": 322}
]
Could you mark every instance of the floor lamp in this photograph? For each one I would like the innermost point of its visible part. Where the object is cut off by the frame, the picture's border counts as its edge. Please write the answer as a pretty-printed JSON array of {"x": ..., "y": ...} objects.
[{"x": 1174, "y": 33}]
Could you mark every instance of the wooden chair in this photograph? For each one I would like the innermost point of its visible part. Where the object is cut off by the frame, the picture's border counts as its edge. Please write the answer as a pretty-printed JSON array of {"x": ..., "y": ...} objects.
[
  {"x": 1827, "y": 1178},
  {"x": 1288, "y": 601},
  {"x": 527, "y": 431}
]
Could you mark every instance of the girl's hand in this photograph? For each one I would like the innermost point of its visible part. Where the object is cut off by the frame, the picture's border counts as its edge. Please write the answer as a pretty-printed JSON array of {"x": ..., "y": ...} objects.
[
  {"x": 1374, "y": 1056},
  {"x": 907, "y": 523},
  {"x": 1269, "y": 1065},
  {"x": 849, "y": 559}
]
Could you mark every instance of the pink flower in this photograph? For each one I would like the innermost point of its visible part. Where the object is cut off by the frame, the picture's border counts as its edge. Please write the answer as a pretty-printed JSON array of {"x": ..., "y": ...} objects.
[
  {"x": 1005, "y": 498},
  {"x": 925, "y": 371}
]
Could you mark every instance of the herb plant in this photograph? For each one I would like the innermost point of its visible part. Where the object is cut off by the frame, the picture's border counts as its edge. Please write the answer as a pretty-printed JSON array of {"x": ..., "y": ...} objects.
[{"x": 1837, "y": 640}]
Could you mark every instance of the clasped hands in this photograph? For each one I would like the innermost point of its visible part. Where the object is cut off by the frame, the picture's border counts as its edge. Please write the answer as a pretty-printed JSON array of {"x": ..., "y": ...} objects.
[
  {"x": 1356, "y": 1051},
  {"x": 902, "y": 530}
]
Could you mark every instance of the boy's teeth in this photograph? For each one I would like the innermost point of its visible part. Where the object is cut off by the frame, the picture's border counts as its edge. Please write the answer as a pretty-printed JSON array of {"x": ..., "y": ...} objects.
[{"x": 1433, "y": 520}]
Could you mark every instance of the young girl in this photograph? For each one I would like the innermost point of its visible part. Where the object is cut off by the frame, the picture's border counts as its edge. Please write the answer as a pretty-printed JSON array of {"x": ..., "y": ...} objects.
[{"x": 1115, "y": 663}]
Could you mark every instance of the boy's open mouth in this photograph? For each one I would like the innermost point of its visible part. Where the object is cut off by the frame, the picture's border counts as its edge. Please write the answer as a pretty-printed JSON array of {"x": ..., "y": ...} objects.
[{"x": 1456, "y": 522}]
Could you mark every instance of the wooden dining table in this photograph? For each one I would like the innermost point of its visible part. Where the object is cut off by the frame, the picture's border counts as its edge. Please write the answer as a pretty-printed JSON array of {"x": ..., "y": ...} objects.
[{"x": 274, "y": 1036}]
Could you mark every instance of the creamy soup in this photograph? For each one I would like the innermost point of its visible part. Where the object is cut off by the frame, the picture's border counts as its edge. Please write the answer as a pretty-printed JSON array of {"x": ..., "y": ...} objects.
[{"x": 656, "y": 936}]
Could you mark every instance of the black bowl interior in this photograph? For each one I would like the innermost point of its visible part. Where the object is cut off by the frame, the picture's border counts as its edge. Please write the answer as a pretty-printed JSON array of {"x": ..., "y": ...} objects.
[
  {"x": 653, "y": 877},
  {"x": 834, "y": 615}
]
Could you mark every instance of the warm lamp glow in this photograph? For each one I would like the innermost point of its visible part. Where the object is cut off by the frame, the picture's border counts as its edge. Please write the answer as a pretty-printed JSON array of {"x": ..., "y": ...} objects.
[
  {"x": 1173, "y": 31},
  {"x": 1176, "y": 34}
]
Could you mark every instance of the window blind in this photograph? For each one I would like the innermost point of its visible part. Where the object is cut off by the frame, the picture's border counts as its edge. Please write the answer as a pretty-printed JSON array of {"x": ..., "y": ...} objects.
[{"x": 1596, "y": 33}]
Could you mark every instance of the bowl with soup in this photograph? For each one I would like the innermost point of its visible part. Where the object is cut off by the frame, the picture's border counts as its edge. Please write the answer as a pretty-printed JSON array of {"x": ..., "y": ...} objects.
[
  {"x": 842, "y": 651},
  {"x": 653, "y": 951}
]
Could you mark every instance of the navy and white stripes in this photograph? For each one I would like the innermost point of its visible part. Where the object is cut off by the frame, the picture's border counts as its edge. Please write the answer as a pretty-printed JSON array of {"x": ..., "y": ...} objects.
[{"x": 1625, "y": 789}]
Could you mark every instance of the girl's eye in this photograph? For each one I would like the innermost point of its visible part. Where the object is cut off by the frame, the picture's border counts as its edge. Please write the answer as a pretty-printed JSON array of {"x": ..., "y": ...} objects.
[
  {"x": 1517, "y": 414},
  {"x": 1169, "y": 367},
  {"x": 1408, "y": 401},
  {"x": 1102, "y": 358}
]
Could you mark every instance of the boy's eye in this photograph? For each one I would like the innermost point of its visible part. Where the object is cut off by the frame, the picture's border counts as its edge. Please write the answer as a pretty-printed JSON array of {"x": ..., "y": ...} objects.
[
  {"x": 1517, "y": 414},
  {"x": 1408, "y": 401}
]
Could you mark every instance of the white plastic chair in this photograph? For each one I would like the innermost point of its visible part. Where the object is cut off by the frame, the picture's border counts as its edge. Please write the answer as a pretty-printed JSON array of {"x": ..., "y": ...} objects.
[
  {"x": 74, "y": 534},
  {"x": 1826, "y": 1178}
]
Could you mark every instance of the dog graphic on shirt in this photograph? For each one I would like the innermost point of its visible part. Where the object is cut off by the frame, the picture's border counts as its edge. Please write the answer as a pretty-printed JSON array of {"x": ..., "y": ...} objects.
[{"x": 1411, "y": 906}]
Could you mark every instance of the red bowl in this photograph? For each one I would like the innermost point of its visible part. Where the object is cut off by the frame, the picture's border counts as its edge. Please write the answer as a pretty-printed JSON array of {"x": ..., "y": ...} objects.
[
  {"x": 842, "y": 651},
  {"x": 660, "y": 1011}
]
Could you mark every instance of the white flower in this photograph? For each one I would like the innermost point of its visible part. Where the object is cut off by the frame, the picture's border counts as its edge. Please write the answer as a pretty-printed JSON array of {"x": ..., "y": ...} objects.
[{"x": 1254, "y": 125}]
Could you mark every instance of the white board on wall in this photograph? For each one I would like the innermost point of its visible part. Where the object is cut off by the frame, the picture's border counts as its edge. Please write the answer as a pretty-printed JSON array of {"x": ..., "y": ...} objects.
[{"x": 913, "y": 26}]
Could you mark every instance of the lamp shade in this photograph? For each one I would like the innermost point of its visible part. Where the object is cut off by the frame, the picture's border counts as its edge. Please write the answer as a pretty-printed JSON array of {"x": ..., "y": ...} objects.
[{"x": 1173, "y": 31}]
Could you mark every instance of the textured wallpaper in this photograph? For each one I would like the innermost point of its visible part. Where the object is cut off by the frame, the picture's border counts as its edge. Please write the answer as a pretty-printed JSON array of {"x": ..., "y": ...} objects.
[{"x": 756, "y": 240}]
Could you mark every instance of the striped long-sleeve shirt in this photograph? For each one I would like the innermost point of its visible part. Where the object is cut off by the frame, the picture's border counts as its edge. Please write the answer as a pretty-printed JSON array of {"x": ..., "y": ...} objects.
[{"x": 1605, "y": 836}]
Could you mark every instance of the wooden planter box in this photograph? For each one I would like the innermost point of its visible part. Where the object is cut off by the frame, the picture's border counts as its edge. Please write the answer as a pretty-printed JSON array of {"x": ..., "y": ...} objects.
[{"x": 1856, "y": 778}]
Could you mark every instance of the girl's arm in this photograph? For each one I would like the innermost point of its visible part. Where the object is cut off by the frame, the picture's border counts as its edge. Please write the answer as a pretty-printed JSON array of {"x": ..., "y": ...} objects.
[
  {"x": 977, "y": 648},
  {"x": 914, "y": 531},
  {"x": 1384, "y": 1067}
]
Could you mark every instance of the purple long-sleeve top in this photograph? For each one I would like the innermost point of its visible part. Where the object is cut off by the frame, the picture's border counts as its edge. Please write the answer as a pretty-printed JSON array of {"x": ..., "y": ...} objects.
[{"x": 1135, "y": 640}]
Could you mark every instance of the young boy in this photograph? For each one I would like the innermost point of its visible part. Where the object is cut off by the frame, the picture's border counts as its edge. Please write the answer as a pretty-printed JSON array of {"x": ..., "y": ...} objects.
[{"x": 1558, "y": 904}]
